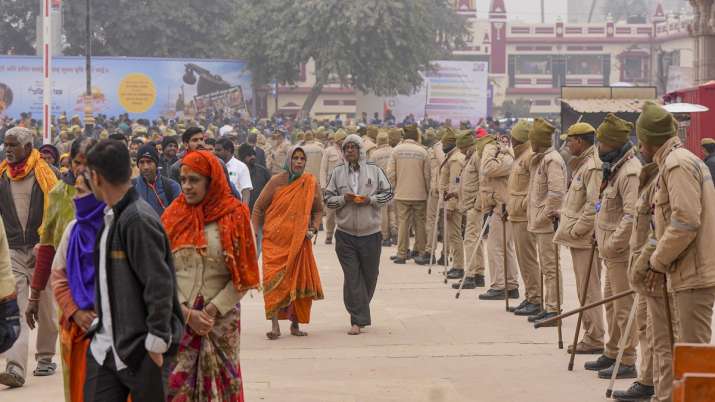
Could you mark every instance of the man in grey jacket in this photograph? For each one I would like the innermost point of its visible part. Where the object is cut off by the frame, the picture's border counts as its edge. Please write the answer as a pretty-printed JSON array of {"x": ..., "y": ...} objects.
[{"x": 357, "y": 190}]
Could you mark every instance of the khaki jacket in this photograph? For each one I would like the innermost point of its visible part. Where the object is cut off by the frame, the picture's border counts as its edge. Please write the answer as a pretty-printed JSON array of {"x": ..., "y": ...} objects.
[
  {"x": 641, "y": 234},
  {"x": 614, "y": 219},
  {"x": 408, "y": 160},
  {"x": 469, "y": 184},
  {"x": 436, "y": 157},
  {"x": 547, "y": 186},
  {"x": 450, "y": 171},
  {"x": 578, "y": 212},
  {"x": 496, "y": 164},
  {"x": 684, "y": 217},
  {"x": 381, "y": 156},
  {"x": 313, "y": 157},
  {"x": 277, "y": 156},
  {"x": 331, "y": 157},
  {"x": 518, "y": 184},
  {"x": 368, "y": 146},
  {"x": 7, "y": 279}
]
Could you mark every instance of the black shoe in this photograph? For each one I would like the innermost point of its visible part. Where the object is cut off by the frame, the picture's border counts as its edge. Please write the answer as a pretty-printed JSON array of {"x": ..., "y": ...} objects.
[
  {"x": 539, "y": 316},
  {"x": 480, "y": 281},
  {"x": 412, "y": 254},
  {"x": 636, "y": 392},
  {"x": 513, "y": 294},
  {"x": 470, "y": 282},
  {"x": 328, "y": 241},
  {"x": 421, "y": 260},
  {"x": 455, "y": 273},
  {"x": 399, "y": 260},
  {"x": 394, "y": 257},
  {"x": 528, "y": 310},
  {"x": 546, "y": 317},
  {"x": 521, "y": 305},
  {"x": 386, "y": 243},
  {"x": 601, "y": 363},
  {"x": 623, "y": 372},
  {"x": 492, "y": 294}
]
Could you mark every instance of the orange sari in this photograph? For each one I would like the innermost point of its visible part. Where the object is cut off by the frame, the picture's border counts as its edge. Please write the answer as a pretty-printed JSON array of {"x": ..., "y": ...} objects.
[{"x": 290, "y": 276}]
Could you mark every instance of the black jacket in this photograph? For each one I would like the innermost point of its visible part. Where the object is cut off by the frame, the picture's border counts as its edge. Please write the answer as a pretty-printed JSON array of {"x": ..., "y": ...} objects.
[
  {"x": 141, "y": 281},
  {"x": 710, "y": 162}
]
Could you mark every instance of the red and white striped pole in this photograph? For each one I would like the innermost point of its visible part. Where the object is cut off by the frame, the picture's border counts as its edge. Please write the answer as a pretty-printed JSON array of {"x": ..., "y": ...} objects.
[{"x": 47, "y": 72}]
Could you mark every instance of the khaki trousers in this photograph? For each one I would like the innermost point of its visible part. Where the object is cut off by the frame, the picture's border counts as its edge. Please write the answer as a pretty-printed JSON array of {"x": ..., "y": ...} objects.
[
  {"x": 547, "y": 263},
  {"x": 592, "y": 318},
  {"x": 695, "y": 312},
  {"x": 495, "y": 252},
  {"x": 329, "y": 223},
  {"x": 455, "y": 243},
  {"x": 645, "y": 342},
  {"x": 525, "y": 246},
  {"x": 617, "y": 312},
  {"x": 433, "y": 218},
  {"x": 407, "y": 213},
  {"x": 661, "y": 347},
  {"x": 471, "y": 236},
  {"x": 388, "y": 226},
  {"x": 23, "y": 264}
]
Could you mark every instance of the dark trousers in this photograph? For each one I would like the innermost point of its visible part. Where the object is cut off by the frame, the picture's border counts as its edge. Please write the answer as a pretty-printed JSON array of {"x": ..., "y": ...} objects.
[
  {"x": 105, "y": 384},
  {"x": 360, "y": 260}
]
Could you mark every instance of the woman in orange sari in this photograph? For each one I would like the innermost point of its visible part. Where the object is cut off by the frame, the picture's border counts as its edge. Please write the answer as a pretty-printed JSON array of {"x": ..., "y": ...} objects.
[{"x": 289, "y": 210}]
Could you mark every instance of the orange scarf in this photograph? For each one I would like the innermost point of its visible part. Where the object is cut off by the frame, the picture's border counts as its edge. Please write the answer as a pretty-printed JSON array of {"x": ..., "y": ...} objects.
[
  {"x": 185, "y": 223},
  {"x": 45, "y": 176}
]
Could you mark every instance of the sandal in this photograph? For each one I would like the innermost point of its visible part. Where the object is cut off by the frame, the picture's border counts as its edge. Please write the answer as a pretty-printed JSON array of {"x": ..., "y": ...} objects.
[{"x": 44, "y": 368}]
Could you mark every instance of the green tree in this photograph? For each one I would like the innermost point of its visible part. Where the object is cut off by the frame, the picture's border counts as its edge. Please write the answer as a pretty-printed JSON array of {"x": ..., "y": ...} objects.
[
  {"x": 372, "y": 45},
  {"x": 17, "y": 26},
  {"x": 517, "y": 108},
  {"x": 620, "y": 10}
]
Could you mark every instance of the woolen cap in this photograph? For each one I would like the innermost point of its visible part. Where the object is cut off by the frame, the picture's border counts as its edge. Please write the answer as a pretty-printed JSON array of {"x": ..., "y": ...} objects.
[
  {"x": 449, "y": 137},
  {"x": 520, "y": 130},
  {"x": 148, "y": 151},
  {"x": 394, "y": 135},
  {"x": 542, "y": 133},
  {"x": 655, "y": 125},
  {"x": 578, "y": 129},
  {"x": 707, "y": 141},
  {"x": 614, "y": 130},
  {"x": 382, "y": 138},
  {"x": 465, "y": 139}
]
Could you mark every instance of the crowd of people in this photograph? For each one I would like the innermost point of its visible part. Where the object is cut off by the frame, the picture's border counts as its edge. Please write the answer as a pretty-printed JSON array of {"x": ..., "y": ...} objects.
[{"x": 160, "y": 225}]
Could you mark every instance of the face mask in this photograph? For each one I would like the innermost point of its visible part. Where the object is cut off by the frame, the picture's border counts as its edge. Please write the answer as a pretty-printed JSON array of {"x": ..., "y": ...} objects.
[{"x": 446, "y": 148}]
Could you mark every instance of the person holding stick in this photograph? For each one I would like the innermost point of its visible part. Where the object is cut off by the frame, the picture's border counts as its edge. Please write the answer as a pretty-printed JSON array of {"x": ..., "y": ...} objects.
[
  {"x": 576, "y": 231},
  {"x": 497, "y": 159},
  {"x": 614, "y": 223},
  {"x": 683, "y": 228},
  {"x": 524, "y": 241},
  {"x": 436, "y": 157},
  {"x": 450, "y": 172},
  {"x": 547, "y": 186}
]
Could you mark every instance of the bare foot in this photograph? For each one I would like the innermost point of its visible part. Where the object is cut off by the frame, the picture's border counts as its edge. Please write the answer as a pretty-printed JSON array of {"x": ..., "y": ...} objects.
[
  {"x": 273, "y": 335},
  {"x": 354, "y": 330},
  {"x": 295, "y": 331}
]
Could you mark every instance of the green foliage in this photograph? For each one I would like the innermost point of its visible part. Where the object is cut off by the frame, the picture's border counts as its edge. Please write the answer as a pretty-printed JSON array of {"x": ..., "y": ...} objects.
[
  {"x": 17, "y": 25},
  {"x": 620, "y": 10},
  {"x": 518, "y": 108}
]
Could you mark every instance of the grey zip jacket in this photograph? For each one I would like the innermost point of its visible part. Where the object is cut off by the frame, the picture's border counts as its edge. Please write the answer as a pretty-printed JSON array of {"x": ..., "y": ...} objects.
[{"x": 358, "y": 220}]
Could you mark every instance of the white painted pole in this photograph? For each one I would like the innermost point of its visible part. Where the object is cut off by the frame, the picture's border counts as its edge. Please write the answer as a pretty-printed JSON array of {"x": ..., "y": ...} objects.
[{"x": 47, "y": 72}]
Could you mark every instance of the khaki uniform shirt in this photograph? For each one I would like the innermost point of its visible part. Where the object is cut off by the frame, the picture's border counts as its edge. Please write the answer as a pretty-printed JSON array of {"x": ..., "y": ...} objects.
[
  {"x": 642, "y": 232},
  {"x": 614, "y": 219},
  {"x": 436, "y": 157},
  {"x": 450, "y": 171},
  {"x": 579, "y": 210},
  {"x": 469, "y": 184},
  {"x": 547, "y": 187},
  {"x": 277, "y": 156},
  {"x": 381, "y": 156},
  {"x": 409, "y": 171},
  {"x": 331, "y": 157},
  {"x": 684, "y": 217},
  {"x": 313, "y": 157},
  {"x": 518, "y": 184},
  {"x": 496, "y": 165},
  {"x": 368, "y": 146}
]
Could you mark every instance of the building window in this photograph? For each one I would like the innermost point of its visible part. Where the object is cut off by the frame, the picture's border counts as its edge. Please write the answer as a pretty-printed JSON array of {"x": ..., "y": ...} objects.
[
  {"x": 533, "y": 64},
  {"x": 349, "y": 102},
  {"x": 584, "y": 65},
  {"x": 633, "y": 68},
  {"x": 331, "y": 102}
]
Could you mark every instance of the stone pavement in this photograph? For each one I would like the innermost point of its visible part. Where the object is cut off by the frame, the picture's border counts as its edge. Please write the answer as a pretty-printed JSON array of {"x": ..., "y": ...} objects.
[{"x": 424, "y": 345}]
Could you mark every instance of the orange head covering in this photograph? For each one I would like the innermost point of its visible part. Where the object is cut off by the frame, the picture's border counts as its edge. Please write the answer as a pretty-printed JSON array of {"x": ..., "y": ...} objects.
[{"x": 185, "y": 223}]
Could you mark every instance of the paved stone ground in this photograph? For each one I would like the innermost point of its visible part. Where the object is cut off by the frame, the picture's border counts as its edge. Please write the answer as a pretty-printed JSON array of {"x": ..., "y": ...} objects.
[{"x": 424, "y": 345}]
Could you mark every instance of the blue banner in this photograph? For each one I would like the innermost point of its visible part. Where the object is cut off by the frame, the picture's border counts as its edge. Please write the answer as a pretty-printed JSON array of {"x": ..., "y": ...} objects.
[{"x": 142, "y": 87}]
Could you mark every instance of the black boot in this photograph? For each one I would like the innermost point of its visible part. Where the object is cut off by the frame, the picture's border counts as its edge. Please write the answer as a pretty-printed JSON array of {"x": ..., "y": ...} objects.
[
  {"x": 455, "y": 273},
  {"x": 623, "y": 372},
  {"x": 601, "y": 363},
  {"x": 636, "y": 392},
  {"x": 399, "y": 260},
  {"x": 528, "y": 310},
  {"x": 521, "y": 305},
  {"x": 492, "y": 294},
  {"x": 421, "y": 260},
  {"x": 470, "y": 282},
  {"x": 513, "y": 294},
  {"x": 386, "y": 243},
  {"x": 534, "y": 318},
  {"x": 546, "y": 317},
  {"x": 480, "y": 281}
]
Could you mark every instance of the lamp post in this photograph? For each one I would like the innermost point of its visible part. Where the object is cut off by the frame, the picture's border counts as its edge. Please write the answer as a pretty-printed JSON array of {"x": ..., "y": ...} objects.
[{"x": 88, "y": 66}]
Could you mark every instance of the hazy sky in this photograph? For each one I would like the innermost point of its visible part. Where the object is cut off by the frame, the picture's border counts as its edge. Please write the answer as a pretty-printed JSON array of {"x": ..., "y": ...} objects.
[{"x": 528, "y": 10}]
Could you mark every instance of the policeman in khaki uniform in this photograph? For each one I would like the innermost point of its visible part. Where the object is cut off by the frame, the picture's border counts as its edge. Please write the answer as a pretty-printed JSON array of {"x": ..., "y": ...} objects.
[
  {"x": 576, "y": 230},
  {"x": 381, "y": 157},
  {"x": 369, "y": 140},
  {"x": 614, "y": 223},
  {"x": 332, "y": 157},
  {"x": 436, "y": 158},
  {"x": 409, "y": 174},
  {"x": 547, "y": 187},
  {"x": 313, "y": 154},
  {"x": 471, "y": 207},
  {"x": 278, "y": 152},
  {"x": 524, "y": 240},
  {"x": 681, "y": 244},
  {"x": 449, "y": 174},
  {"x": 497, "y": 159}
]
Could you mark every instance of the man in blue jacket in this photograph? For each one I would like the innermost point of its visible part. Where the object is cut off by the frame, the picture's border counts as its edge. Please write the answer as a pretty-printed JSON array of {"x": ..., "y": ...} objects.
[{"x": 157, "y": 190}]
